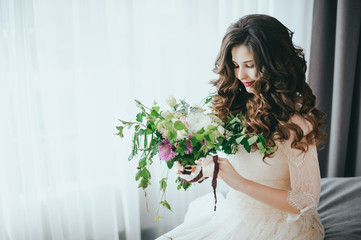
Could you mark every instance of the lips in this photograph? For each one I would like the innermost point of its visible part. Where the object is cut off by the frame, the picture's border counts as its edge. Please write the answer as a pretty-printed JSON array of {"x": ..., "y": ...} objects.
[{"x": 248, "y": 84}]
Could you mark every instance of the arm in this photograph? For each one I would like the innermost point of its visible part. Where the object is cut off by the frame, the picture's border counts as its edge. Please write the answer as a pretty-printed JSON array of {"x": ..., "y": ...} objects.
[{"x": 273, "y": 197}]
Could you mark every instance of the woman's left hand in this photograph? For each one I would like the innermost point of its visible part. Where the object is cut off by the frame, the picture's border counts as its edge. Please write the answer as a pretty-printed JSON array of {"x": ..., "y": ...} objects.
[{"x": 229, "y": 175}]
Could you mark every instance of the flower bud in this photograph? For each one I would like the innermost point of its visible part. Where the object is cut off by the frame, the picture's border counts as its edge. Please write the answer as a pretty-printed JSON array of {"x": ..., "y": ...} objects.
[{"x": 171, "y": 101}]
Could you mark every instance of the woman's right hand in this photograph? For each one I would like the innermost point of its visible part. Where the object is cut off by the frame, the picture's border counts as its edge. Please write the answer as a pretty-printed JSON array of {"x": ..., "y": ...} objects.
[
  {"x": 188, "y": 172},
  {"x": 207, "y": 165}
]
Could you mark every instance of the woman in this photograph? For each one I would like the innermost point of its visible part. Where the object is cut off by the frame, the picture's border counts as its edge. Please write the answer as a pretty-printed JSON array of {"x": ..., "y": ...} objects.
[{"x": 273, "y": 196}]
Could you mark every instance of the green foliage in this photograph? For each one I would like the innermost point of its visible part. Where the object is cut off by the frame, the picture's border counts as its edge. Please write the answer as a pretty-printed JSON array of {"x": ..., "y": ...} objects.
[
  {"x": 208, "y": 99},
  {"x": 252, "y": 140},
  {"x": 182, "y": 184},
  {"x": 120, "y": 129},
  {"x": 163, "y": 184},
  {"x": 170, "y": 164},
  {"x": 166, "y": 204},
  {"x": 146, "y": 139},
  {"x": 172, "y": 134},
  {"x": 238, "y": 136},
  {"x": 178, "y": 125}
]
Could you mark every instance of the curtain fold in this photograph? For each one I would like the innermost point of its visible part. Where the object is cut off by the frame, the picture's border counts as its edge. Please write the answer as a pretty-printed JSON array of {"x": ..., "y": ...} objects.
[
  {"x": 334, "y": 76},
  {"x": 68, "y": 70}
]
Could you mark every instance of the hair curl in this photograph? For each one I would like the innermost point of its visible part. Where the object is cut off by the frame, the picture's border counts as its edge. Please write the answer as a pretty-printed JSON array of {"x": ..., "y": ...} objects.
[{"x": 281, "y": 90}]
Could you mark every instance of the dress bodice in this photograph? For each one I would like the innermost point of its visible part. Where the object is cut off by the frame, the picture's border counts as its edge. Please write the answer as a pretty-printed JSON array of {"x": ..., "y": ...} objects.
[{"x": 252, "y": 167}]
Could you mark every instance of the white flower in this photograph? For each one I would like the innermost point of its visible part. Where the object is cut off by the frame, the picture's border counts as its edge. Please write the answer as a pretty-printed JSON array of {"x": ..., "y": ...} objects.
[
  {"x": 171, "y": 101},
  {"x": 220, "y": 130},
  {"x": 181, "y": 135},
  {"x": 164, "y": 133},
  {"x": 197, "y": 121},
  {"x": 228, "y": 134}
]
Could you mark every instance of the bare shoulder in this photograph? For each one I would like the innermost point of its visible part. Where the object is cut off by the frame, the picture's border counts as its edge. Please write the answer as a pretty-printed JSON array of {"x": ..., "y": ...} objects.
[{"x": 302, "y": 122}]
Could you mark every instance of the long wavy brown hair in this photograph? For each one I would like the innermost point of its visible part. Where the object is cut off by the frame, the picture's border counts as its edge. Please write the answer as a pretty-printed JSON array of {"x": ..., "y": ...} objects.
[{"x": 280, "y": 92}]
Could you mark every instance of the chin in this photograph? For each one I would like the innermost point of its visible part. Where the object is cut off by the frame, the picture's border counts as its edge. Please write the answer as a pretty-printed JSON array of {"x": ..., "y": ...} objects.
[{"x": 249, "y": 90}]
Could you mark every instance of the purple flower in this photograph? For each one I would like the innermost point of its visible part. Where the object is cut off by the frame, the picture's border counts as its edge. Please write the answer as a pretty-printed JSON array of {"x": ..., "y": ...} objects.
[
  {"x": 165, "y": 150},
  {"x": 189, "y": 147}
]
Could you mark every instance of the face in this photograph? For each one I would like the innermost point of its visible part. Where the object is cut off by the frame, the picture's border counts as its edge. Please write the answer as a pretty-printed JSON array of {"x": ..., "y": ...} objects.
[{"x": 244, "y": 66}]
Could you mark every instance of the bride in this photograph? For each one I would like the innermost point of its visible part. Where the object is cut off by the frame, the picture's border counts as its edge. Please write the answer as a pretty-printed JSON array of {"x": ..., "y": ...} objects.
[{"x": 275, "y": 195}]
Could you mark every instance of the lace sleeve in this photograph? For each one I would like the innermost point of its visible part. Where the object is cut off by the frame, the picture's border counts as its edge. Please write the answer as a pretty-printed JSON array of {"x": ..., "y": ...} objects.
[{"x": 304, "y": 174}]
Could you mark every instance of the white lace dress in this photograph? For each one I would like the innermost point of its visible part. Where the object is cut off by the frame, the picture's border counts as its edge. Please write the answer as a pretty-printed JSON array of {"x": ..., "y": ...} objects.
[{"x": 239, "y": 216}]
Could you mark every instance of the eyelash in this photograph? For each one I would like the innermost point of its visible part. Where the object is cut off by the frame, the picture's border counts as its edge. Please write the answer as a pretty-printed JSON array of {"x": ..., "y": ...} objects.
[{"x": 248, "y": 66}]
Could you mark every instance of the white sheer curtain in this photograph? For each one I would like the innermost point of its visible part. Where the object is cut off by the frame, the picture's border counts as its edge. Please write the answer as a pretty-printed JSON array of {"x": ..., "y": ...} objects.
[{"x": 68, "y": 70}]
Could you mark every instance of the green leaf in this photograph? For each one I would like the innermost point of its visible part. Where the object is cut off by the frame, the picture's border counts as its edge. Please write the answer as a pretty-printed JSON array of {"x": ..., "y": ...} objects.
[
  {"x": 199, "y": 137},
  {"x": 154, "y": 113},
  {"x": 141, "y": 132},
  {"x": 252, "y": 140},
  {"x": 155, "y": 102},
  {"x": 211, "y": 127},
  {"x": 207, "y": 137},
  {"x": 154, "y": 151},
  {"x": 120, "y": 128},
  {"x": 201, "y": 131},
  {"x": 194, "y": 141},
  {"x": 138, "y": 102},
  {"x": 144, "y": 183},
  {"x": 166, "y": 204},
  {"x": 172, "y": 135},
  {"x": 142, "y": 163},
  {"x": 137, "y": 177},
  {"x": 139, "y": 117},
  {"x": 246, "y": 145},
  {"x": 239, "y": 140},
  {"x": 168, "y": 125},
  {"x": 145, "y": 141},
  {"x": 169, "y": 117},
  {"x": 170, "y": 164},
  {"x": 124, "y": 122},
  {"x": 178, "y": 125},
  {"x": 208, "y": 100},
  {"x": 260, "y": 146},
  {"x": 212, "y": 137},
  {"x": 156, "y": 108},
  {"x": 262, "y": 139},
  {"x": 163, "y": 184},
  {"x": 146, "y": 173},
  {"x": 210, "y": 145},
  {"x": 271, "y": 149},
  {"x": 183, "y": 147}
]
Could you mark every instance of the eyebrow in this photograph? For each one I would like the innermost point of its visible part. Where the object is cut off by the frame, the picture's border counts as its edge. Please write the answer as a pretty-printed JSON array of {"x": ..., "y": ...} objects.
[{"x": 244, "y": 61}]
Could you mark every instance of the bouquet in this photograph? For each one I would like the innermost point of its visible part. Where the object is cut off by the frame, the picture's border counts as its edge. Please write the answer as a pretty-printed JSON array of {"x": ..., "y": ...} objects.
[{"x": 184, "y": 138}]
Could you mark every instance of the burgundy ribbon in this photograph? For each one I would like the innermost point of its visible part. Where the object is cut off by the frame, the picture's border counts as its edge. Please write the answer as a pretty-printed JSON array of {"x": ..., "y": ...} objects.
[
  {"x": 214, "y": 180},
  {"x": 199, "y": 176}
]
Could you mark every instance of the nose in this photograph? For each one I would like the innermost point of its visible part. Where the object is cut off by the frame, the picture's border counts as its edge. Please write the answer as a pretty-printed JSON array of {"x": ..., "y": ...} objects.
[{"x": 241, "y": 73}]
